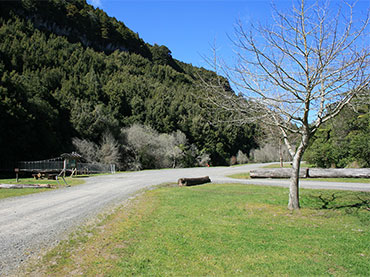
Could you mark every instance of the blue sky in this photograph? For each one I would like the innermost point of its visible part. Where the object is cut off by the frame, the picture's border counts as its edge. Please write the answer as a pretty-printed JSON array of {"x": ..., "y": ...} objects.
[{"x": 189, "y": 28}]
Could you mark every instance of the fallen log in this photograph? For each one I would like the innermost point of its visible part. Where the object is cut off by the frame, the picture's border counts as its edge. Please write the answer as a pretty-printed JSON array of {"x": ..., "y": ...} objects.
[
  {"x": 312, "y": 173},
  {"x": 24, "y": 186},
  {"x": 193, "y": 181},
  {"x": 276, "y": 173},
  {"x": 339, "y": 173}
]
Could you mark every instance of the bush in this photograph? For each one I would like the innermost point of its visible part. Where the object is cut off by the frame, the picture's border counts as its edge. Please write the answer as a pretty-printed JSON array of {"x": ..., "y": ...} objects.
[
  {"x": 153, "y": 150},
  {"x": 87, "y": 149},
  {"x": 107, "y": 152},
  {"x": 269, "y": 153},
  {"x": 241, "y": 158},
  {"x": 204, "y": 159}
]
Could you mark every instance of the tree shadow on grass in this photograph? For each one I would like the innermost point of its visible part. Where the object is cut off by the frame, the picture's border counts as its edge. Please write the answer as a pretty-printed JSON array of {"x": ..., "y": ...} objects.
[{"x": 348, "y": 201}]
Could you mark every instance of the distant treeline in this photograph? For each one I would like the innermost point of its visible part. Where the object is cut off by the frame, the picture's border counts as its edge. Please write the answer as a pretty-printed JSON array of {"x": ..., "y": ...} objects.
[{"x": 70, "y": 71}]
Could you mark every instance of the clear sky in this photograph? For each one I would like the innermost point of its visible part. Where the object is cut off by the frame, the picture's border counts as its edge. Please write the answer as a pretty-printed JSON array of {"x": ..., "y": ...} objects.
[{"x": 188, "y": 27}]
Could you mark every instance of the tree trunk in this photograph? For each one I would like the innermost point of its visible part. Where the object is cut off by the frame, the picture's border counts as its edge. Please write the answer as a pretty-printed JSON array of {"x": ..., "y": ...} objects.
[
  {"x": 294, "y": 184},
  {"x": 281, "y": 154},
  {"x": 294, "y": 179}
]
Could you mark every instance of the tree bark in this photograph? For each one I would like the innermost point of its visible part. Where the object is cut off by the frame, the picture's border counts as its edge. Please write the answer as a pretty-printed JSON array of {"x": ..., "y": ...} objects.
[
  {"x": 339, "y": 173},
  {"x": 294, "y": 184},
  {"x": 276, "y": 173},
  {"x": 296, "y": 164},
  {"x": 281, "y": 154},
  {"x": 311, "y": 173}
]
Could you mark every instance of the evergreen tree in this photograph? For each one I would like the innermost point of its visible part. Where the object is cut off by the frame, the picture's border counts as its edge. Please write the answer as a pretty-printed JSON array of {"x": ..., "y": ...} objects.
[{"x": 69, "y": 70}]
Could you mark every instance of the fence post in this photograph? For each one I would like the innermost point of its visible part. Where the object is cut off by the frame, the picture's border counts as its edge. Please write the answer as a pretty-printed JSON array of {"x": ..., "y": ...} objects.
[{"x": 16, "y": 173}]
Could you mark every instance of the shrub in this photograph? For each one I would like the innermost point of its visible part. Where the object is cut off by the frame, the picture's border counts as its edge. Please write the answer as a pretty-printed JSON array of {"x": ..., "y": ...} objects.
[
  {"x": 87, "y": 148},
  {"x": 204, "y": 159},
  {"x": 153, "y": 150},
  {"x": 241, "y": 158},
  {"x": 107, "y": 152},
  {"x": 269, "y": 153}
]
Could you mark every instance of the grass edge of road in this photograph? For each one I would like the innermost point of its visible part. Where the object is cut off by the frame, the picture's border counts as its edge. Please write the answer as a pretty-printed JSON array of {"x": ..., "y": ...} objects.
[
  {"x": 218, "y": 229},
  {"x": 6, "y": 193}
]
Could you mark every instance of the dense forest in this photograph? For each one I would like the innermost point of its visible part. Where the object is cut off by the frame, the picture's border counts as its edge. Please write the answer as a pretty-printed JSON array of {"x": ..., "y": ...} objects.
[
  {"x": 74, "y": 79},
  {"x": 70, "y": 72},
  {"x": 345, "y": 140}
]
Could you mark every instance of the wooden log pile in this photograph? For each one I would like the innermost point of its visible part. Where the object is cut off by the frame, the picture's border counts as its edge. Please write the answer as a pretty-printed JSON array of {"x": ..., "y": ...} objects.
[
  {"x": 193, "y": 181},
  {"x": 312, "y": 173}
]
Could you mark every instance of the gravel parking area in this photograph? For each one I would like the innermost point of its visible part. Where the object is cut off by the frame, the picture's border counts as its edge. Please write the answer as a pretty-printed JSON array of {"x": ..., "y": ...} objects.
[{"x": 32, "y": 223}]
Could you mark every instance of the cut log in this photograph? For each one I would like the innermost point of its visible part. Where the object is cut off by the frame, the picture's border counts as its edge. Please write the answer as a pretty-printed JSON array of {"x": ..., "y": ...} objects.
[
  {"x": 339, "y": 173},
  {"x": 193, "y": 181},
  {"x": 27, "y": 186},
  {"x": 312, "y": 173},
  {"x": 276, "y": 173}
]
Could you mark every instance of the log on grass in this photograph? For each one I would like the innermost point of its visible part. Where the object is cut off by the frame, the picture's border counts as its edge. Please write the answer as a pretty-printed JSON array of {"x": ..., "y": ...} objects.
[
  {"x": 24, "y": 186},
  {"x": 339, "y": 173},
  {"x": 193, "y": 181},
  {"x": 276, "y": 173}
]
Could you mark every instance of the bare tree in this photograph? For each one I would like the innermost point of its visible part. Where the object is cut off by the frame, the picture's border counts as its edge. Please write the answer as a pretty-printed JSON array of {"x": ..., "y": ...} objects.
[
  {"x": 154, "y": 150},
  {"x": 143, "y": 142},
  {"x": 88, "y": 149},
  {"x": 172, "y": 147},
  {"x": 109, "y": 152},
  {"x": 241, "y": 158},
  {"x": 297, "y": 73}
]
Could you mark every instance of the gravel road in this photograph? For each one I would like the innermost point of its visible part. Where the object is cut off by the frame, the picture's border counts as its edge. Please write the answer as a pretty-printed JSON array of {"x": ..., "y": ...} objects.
[{"x": 34, "y": 222}]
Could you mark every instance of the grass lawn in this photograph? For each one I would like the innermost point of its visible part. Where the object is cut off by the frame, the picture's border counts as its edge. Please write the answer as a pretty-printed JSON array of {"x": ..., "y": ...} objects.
[
  {"x": 221, "y": 230},
  {"x": 240, "y": 176},
  {"x": 4, "y": 193}
]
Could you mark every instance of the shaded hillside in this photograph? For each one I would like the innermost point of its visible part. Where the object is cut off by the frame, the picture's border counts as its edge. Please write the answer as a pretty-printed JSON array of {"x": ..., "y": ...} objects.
[
  {"x": 69, "y": 70},
  {"x": 345, "y": 140}
]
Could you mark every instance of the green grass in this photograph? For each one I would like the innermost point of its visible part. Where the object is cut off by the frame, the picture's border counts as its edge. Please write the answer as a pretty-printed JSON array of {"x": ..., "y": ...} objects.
[
  {"x": 222, "y": 230},
  {"x": 5, "y": 193},
  {"x": 240, "y": 176}
]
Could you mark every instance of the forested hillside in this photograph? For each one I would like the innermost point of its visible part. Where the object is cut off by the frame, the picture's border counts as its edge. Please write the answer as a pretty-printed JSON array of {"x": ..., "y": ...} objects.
[
  {"x": 70, "y": 71},
  {"x": 345, "y": 140}
]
